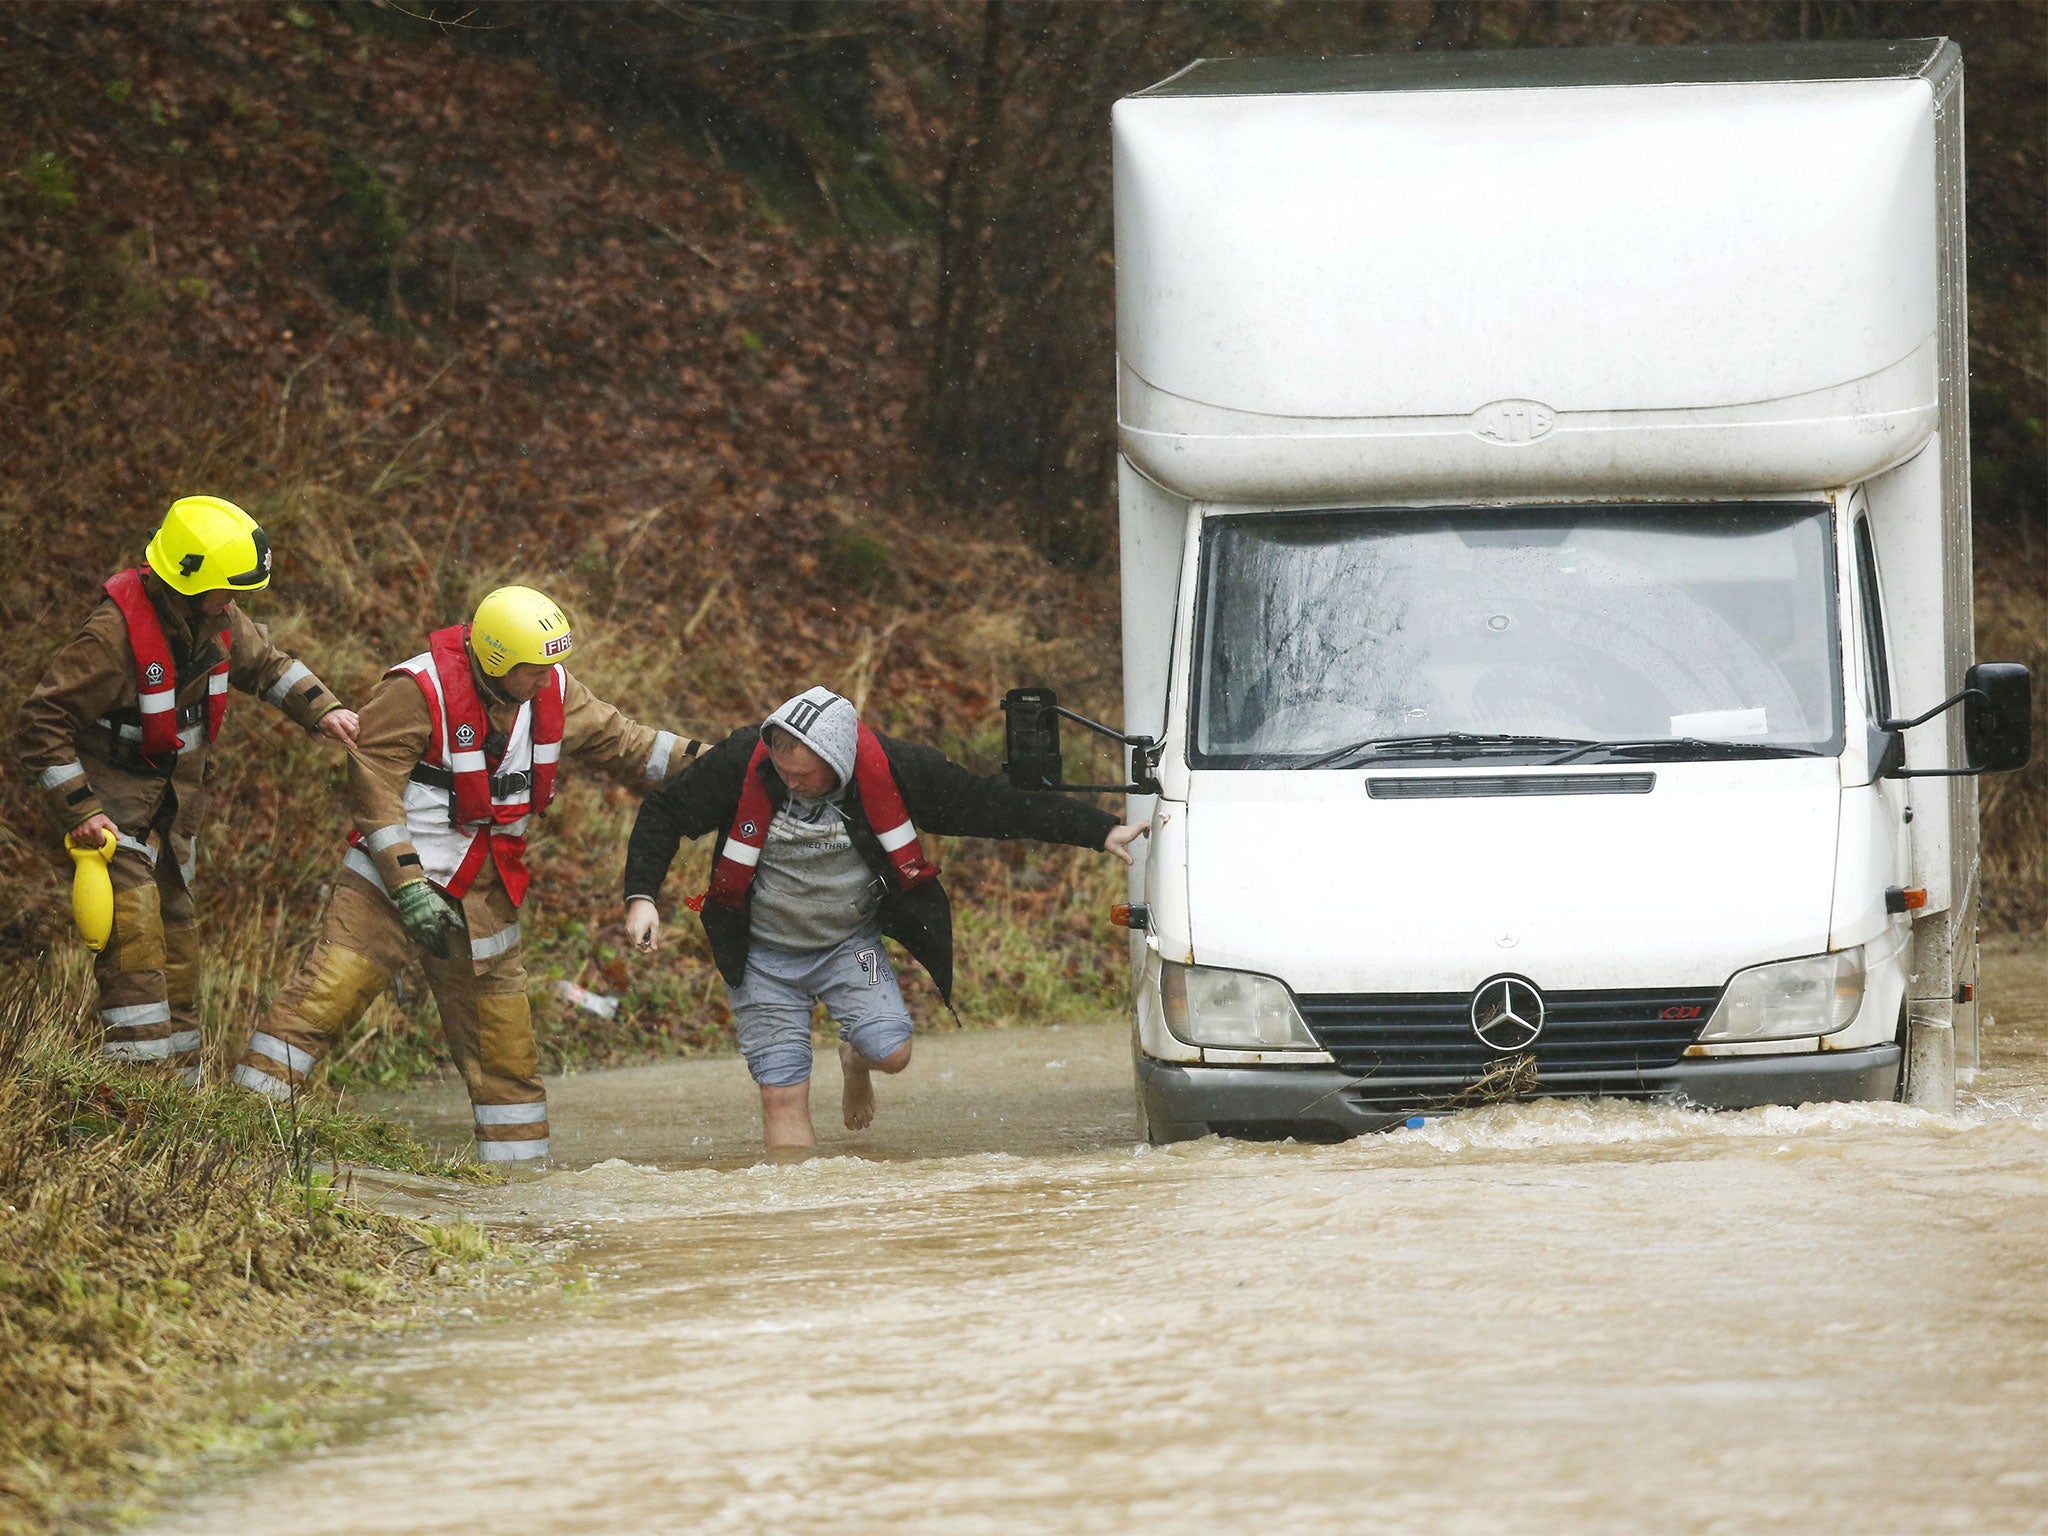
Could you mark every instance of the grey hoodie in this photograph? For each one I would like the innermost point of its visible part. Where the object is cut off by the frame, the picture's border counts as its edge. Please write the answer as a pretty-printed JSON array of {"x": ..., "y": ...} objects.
[
  {"x": 826, "y": 723},
  {"x": 812, "y": 890}
]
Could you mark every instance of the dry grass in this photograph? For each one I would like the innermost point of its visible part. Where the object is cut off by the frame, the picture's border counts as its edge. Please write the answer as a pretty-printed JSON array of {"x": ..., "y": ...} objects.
[{"x": 151, "y": 1239}]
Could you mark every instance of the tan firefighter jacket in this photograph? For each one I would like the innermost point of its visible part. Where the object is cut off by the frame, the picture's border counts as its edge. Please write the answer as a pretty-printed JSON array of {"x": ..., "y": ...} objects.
[
  {"x": 67, "y": 733},
  {"x": 397, "y": 732}
]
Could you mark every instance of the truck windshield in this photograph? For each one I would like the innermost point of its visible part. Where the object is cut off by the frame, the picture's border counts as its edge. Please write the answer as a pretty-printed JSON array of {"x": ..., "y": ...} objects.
[{"x": 1518, "y": 634}]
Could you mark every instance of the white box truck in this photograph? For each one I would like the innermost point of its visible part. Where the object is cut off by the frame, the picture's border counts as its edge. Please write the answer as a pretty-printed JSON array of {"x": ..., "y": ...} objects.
[{"x": 1544, "y": 493}]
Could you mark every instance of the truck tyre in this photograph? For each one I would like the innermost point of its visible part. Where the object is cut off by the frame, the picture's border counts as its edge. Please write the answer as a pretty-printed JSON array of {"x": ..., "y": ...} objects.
[{"x": 1150, "y": 1131}]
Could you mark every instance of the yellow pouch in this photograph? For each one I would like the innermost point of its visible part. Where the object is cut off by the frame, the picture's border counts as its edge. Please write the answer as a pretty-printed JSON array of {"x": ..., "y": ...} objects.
[{"x": 92, "y": 892}]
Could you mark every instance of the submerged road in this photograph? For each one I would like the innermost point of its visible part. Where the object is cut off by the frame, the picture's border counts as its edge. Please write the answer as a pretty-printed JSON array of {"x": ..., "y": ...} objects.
[{"x": 993, "y": 1313}]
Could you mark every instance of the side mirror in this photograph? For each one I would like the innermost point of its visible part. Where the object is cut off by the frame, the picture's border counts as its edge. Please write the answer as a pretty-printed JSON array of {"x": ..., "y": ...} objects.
[
  {"x": 1998, "y": 716},
  {"x": 1998, "y": 723},
  {"x": 1031, "y": 746},
  {"x": 1031, "y": 739}
]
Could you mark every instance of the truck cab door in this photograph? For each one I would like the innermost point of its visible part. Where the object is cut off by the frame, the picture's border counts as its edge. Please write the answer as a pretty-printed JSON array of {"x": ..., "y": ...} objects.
[{"x": 1872, "y": 668}]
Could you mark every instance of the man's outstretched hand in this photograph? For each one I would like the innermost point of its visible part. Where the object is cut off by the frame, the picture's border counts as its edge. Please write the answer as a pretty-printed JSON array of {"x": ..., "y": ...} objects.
[
  {"x": 643, "y": 925},
  {"x": 1120, "y": 839}
]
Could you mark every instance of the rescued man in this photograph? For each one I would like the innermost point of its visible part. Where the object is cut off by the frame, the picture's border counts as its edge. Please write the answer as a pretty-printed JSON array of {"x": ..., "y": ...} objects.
[
  {"x": 458, "y": 754},
  {"x": 818, "y": 857},
  {"x": 120, "y": 733}
]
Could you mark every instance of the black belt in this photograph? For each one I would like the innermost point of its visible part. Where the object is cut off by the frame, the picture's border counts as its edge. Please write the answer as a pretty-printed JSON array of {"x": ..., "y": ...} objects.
[
  {"x": 185, "y": 714},
  {"x": 128, "y": 756},
  {"x": 504, "y": 786}
]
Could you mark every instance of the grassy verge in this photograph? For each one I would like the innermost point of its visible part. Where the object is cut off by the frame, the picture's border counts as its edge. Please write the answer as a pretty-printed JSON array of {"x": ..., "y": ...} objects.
[{"x": 152, "y": 1240}]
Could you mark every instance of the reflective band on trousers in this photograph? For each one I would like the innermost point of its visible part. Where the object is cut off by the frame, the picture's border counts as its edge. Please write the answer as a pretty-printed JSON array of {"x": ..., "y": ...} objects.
[
  {"x": 135, "y": 1015},
  {"x": 657, "y": 758},
  {"x": 494, "y": 944},
  {"x": 512, "y": 1114},
  {"x": 294, "y": 674},
  {"x": 270, "y": 1087},
  {"x": 134, "y": 845},
  {"x": 152, "y": 1050},
  {"x": 63, "y": 773},
  {"x": 510, "y": 1151},
  {"x": 299, "y": 1061}
]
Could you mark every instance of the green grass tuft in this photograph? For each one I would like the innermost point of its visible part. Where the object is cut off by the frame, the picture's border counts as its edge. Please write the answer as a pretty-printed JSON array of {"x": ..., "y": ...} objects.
[{"x": 153, "y": 1238}]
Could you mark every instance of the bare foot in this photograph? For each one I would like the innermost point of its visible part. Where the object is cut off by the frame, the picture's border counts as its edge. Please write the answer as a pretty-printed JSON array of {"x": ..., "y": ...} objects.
[{"x": 857, "y": 1096}]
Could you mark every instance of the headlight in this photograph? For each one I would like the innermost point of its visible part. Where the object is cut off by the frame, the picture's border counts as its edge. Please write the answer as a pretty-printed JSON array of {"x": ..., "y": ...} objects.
[
  {"x": 1232, "y": 1009},
  {"x": 1814, "y": 996}
]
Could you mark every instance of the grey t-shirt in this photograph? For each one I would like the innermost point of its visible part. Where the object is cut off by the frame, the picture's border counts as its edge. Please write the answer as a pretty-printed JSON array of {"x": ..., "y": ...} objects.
[{"x": 812, "y": 889}]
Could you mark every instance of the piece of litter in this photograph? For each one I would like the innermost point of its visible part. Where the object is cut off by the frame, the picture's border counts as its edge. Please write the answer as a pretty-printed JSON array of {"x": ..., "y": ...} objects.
[
  {"x": 1416, "y": 1122},
  {"x": 593, "y": 1002}
]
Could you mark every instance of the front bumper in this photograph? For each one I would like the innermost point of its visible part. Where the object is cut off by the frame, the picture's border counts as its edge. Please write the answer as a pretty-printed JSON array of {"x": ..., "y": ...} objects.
[{"x": 1320, "y": 1103}]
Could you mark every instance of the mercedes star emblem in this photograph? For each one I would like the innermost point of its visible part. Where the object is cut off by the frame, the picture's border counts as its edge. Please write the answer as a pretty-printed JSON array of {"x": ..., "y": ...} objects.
[{"x": 1507, "y": 1013}]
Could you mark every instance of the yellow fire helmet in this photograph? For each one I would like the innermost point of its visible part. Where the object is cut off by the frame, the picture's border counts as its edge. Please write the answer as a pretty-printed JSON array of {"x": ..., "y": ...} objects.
[
  {"x": 515, "y": 625},
  {"x": 205, "y": 544}
]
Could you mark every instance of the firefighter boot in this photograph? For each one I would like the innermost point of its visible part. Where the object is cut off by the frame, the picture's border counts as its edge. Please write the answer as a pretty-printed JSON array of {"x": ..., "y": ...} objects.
[
  {"x": 489, "y": 1028},
  {"x": 134, "y": 987}
]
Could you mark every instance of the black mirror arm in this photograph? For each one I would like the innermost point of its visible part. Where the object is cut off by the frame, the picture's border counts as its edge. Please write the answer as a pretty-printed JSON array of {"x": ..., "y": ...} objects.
[
  {"x": 1100, "y": 729},
  {"x": 1142, "y": 764},
  {"x": 1940, "y": 709}
]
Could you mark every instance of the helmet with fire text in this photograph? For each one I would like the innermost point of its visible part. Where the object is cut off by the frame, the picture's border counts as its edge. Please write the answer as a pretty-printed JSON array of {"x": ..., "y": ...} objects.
[{"x": 516, "y": 625}]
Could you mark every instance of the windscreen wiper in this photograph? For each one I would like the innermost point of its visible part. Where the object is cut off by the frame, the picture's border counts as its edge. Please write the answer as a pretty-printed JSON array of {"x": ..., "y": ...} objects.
[
  {"x": 1679, "y": 749},
  {"x": 1452, "y": 744}
]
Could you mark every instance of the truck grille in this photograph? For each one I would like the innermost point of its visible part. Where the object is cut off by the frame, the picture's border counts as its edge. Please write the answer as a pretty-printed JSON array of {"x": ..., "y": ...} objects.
[{"x": 1417, "y": 1049}]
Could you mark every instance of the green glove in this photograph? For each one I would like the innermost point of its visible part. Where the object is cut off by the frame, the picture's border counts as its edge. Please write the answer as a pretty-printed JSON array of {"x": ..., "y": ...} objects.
[{"x": 427, "y": 916}]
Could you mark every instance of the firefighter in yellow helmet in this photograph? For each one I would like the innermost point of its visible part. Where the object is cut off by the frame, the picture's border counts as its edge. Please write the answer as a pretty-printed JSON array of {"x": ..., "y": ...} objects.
[
  {"x": 119, "y": 733},
  {"x": 458, "y": 756}
]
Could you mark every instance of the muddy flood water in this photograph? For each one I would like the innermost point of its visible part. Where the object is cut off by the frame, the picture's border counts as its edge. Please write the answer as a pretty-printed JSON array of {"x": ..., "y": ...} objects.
[{"x": 995, "y": 1313}]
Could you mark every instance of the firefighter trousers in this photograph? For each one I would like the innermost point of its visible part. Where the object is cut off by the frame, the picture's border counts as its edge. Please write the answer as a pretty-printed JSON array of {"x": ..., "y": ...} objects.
[
  {"x": 484, "y": 1017},
  {"x": 148, "y": 974}
]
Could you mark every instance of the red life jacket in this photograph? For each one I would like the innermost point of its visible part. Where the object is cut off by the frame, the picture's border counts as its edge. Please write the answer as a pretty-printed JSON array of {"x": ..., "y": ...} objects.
[
  {"x": 881, "y": 800},
  {"x": 487, "y": 808},
  {"x": 458, "y": 711},
  {"x": 156, "y": 677}
]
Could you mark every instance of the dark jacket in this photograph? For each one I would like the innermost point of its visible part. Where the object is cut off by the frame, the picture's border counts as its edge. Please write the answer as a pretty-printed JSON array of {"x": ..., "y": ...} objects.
[{"x": 942, "y": 797}]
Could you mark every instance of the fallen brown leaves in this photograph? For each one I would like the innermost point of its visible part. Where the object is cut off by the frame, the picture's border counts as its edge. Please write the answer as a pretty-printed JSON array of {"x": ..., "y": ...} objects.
[{"x": 439, "y": 326}]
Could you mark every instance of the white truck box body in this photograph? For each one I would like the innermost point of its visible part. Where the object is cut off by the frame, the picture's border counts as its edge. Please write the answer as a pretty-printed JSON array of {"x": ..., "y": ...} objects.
[
  {"x": 1660, "y": 277},
  {"x": 1604, "y": 290}
]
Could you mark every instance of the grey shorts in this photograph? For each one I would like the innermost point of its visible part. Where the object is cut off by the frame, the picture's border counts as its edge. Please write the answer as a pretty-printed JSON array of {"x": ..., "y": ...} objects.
[{"x": 771, "y": 1007}]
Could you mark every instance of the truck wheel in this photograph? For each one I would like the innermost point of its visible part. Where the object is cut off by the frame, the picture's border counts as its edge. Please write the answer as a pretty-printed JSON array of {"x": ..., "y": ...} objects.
[{"x": 1147, "y": 1132}]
